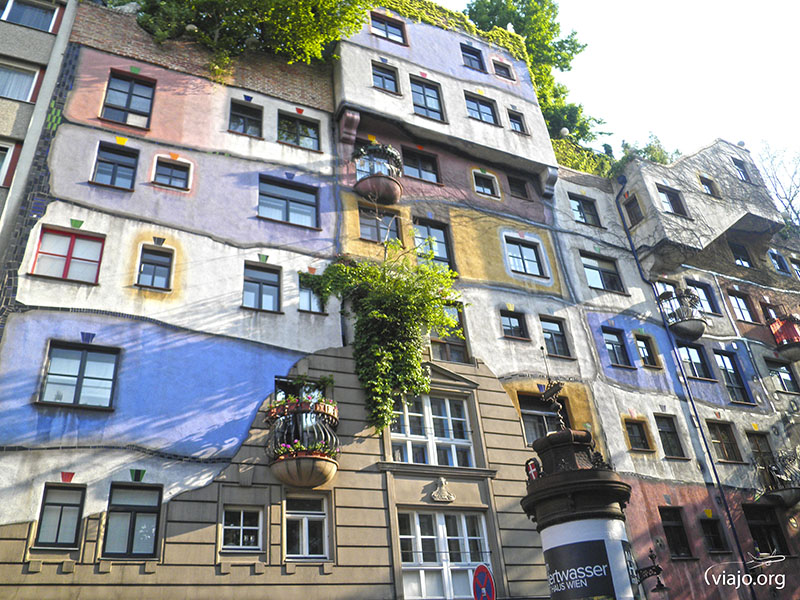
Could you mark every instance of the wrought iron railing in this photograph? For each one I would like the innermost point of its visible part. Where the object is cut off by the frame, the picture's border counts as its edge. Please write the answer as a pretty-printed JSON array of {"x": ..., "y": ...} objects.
[
  {"x": 681, "y": 306},
  {"x": 302, "y": 430}
]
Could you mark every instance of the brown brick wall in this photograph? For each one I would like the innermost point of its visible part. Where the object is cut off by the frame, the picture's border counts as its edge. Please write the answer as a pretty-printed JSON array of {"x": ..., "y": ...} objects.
[{"x": 115, "y": 32}]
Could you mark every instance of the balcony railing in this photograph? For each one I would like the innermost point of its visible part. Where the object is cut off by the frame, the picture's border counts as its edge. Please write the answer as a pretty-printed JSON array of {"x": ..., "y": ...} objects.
[
  {"x": 682, "y": 310},
  {"x": 378, "y": 168},
  {"x": 786, "y": 331},
  {"x": 780, "y": 480}
]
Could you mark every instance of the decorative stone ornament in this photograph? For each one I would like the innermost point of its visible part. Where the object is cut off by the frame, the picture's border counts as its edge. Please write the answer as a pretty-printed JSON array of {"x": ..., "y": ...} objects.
[{"x": 442, "y": 493}]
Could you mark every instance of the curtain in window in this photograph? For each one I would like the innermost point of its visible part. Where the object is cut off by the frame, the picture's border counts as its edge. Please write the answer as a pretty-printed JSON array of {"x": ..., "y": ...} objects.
[
  {"x": 38, "y": 17},
  {"x": 15, "y": 83}
]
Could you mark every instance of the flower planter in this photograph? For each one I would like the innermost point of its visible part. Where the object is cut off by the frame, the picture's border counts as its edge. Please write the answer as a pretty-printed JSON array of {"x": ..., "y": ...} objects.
[
  {"x": 329, "y": 412},
  {"x": 382, "y": 189},
  {"x": 304, "y": 469}
]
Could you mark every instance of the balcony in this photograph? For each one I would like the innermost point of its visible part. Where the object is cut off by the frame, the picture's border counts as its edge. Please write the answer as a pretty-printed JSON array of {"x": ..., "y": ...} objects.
[
  {"x": 682, "y": 310},
  {"x": 786, "y": 331},
  {"x": 378, "y": 168},
  {"x": 780, "y": 481}
]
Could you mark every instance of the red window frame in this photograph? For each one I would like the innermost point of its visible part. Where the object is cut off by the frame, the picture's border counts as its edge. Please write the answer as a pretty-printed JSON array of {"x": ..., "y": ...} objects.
[{"x": 68, "y": 255}]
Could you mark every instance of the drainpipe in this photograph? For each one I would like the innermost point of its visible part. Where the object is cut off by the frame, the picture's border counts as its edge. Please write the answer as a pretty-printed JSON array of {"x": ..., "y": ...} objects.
[{"x": 622, "y": 180}]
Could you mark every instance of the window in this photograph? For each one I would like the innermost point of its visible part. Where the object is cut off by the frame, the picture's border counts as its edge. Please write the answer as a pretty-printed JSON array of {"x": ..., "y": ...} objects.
[
  {"x": 115, "y": 166},
  {"x": 732, "y": 377},
  {"x": 770, "y": 311},
  {"x": 671, "y": 201},
  {"x": 60, "y": 519},
  {"x": 667, "y": 297},
  {"x": 28, "y": 14},
  {"x": 601, "y": 273},
  {"x": 584, "y": 210},
  {"x": 5, "y": 161},
  {"x": 779, "y": 262},
  {"x": 712, "y": 533},
  {"x": 440, "y": 553},
  {"x": 172, "y": 174},
  {"x": 432, "y": 237},
  {"x": 384, "y": 78},
  {"x": 484, "y": 184},
  {"x": 291, "y": 204},
  {"x": 377, "y": 226},
  {"x": 763, "y": 459},
  {"x": 765, "y": 529},
  {"x": 644, "y": 345},
  {"x": 783, "y": 372},
  {"x": 241, "y": 528},
  {"x": 483, "y": 110},
  {"x": 741, "y": 307},
  {"x": 740, "y": 255},
  {"x": 298, "y": 132},
  {"x": 472, "y": 57},
  {"x": 68, "y": 256},
  {"x": 517, "y": 187},
  {"x": 523, "y": 257},
  {"x": 513, "y": 324},
  {"x": 502, "y": 70},
  {"x": 694, "y": 361},
  {"x": 555, "y": 340},
  {"x": 154, "y": 268},
  {"x": 634, "y": 211},
  {"x": 79, "y": 375},
  {"x": 637, "y": 435},
  {"x": 670, "y": 441},
  {"x": 246, "y": 118},
  {"x": 369, "y": 163},
  {"x": 703, "y": 291},
  {"x": 306, "y": 528},
  {"x": 432, "y": 430},
  {"x": 425, "y": 97},
  {"x": 674, "y": 531},
  {"x": 450, "y": 348},
  {"x": 723, "y": 441},
  {"x": 420, "y": 166},
  {"x": 128, "y": 100},
  {"x": 310, "y": 301},
  {"x": 795, "y": 267},
  {"x": 708, "y": 185},
  {"x": 615, "y": 345},
  {"x": 15, "y": 83},
  {"x": 517, "y": 122},
  {"x": 389, "y": 29},
  {"x": 262, "y": 288},
  {"x": 538, "y": 417},
  {"x": 741, "y": 170},
  {"x": 132, "y": 523}
]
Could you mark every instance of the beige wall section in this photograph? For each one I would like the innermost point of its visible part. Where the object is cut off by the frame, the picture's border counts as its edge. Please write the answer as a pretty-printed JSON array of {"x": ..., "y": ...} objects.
[
  {"x": 25, "y": 43},
  {"x": 14, "y": 118}
]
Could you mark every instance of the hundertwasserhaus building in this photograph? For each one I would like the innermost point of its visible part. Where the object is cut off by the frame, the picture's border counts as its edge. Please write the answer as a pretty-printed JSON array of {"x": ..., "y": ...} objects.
[{"x": 173, "y": 394}]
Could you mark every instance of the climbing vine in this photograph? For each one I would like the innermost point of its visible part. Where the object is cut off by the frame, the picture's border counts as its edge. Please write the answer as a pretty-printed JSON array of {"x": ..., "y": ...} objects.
[{"x": 394, "y": 303}]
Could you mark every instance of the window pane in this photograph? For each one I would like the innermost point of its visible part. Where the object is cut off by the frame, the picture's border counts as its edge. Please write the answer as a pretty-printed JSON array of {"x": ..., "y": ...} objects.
[
  {"x": 59, "y": 389},
  {"x": 316, "y": 537},
  {"x": 31, "y": 15},
  {"x": 134, "y": 497},
  {"x": 64, "y": 361},
  {"x": 293, "y": 536},
  {"x": 100, "y": 365},
  {"x": 15, "y": 83},
  {"x": 95, "y": 392},
  {"x": 117, "y": 532},
  {"x": 411, "y": 584},
  {"x": 48, "y": 526},
  {"x": 144, "y": 534},
  {"x": 69, "y": 524},
  {"x": 434, "y": 586},
  {"x": 81, "y": 270},
  {"x": 462, "y": 584},
  {"x": 54, "y": 244},
  {"x": 304, "y": 504}
]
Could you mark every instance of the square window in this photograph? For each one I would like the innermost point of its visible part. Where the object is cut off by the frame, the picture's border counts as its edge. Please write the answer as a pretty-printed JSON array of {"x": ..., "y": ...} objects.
[
  {"x": 132, "y": 521},
  {"x": 115, "y": 166},
  {"x": 377, "y": 225},
  {"x": 637, "y": 435},
  {"x": 671, "y": 201},
  {"x": 28, "y": 14},
  {"x": 306, "y": 528},
  {"x": 539, "y": 417},
  {"x": 16, "y": 83},
  {"x": 601, "y": 273},
  {"x": 584, "y": 210},
  {"x": 517, "y": 122},
  {"x": 523, "y": 257},
  {"x": 670, "y": 440},
  {"x": 513, "y": 324},
  {"x": 426, "y": 99},
  {"x": 420, "y": 166},
  {"x": 708, "y": 185},
  {"x": 779, "y": 262},
  {"x": 450, "y": 348},
  {"x": 246, "y": 118},
  {"x": 172, "y": 174},
  {"x": 503, "y": 70},
  {"x": 384, "y": 78},
  {"x": 694, "y": 361},
  {"x": 765, "y": 528},
  {"x": 80, "y": 375},
  {"x": 472, "y": 57},
  {"x": 310, "y": 301},
  {"x": 723, "y": 441},
  {"x": 741, "y": 307},
  {"x": 485, "y": 184},
  {"x": 731, "y": 375},
  {"x": 431, "y": 237},
  {"x": 481, "y": 109},
  {"x": 644, "y": 345},
  {"x": 712, "y": 533},
  {"x": 741, "y": 169},
  {"x": 615, "y": 346},
  {"x": 262, "y": 288},
  {"x": 68, "y": 256},
  {"x": 389, "y": 29},
  {"x": 634, "y": 211},
  {"x": 128, "y": 100},
  {"x": 517, "y": 187},
  {"x": 783, "y": 373},
  {"x": 288, "y": 203},
  {"x": 740, "y": 255},
  {"x": 60, "y": 518},
  {"x": 674, "y": 531},
  {"x": 298, "y": 132},
  {"x": 703, "y": 291},
  {"x": 155, "y": 268},
  {"x": 432, "y": 430},
  {"x": 555, "y": 340},
  {"x": 241, "y": 528}
]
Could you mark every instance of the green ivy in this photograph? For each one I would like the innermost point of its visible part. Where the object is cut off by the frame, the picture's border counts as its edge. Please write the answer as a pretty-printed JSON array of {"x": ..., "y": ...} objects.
[
  {"x": 574, "y": 156},
  {"x": 395, "y": 303}
]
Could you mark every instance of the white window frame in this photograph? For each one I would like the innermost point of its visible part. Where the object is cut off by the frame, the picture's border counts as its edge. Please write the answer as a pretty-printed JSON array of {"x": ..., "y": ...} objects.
[
  {"x": 532, "y": 243},
  {"x": 9, "y": 147},
  {"x": 304, "y": 517},
  {"x": 405, "y": 442},
  {"x": 4, "y": 16},
  {"x": 179, "y": 162},
  {"x": 496, "y": 195},
  {"x": 240, "y": 528},
  {"x": 21, "y": 67},
  {"x": 443, "y": 566}
]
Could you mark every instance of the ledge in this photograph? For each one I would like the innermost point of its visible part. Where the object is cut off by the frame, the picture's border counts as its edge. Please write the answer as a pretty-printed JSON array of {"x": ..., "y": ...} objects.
[
  {"x": 615, "y": 365},
  {"x": 680, "y": 458},
  {"x": 110, "y": 187},
  {"x": 247, "y": 135},
  {"x": 610, "y": 291},
  {"x": 702, "y": 378},
  {"x": 562, "y": 356},
  {"x": 75, "y": 406},
  {"x": 262, "y": 310},
  {"x": 515, "y": 338},
  {"x": 299, "y": 147},
  {"x": 684, "y": 558},
  {"x": 437, "y": 470},
  {"x": 289, "y": 223},
  {"x": 139, "y": 127},
  {"x": 385, "y": 91},
  {"x": 64, "y": 279}
]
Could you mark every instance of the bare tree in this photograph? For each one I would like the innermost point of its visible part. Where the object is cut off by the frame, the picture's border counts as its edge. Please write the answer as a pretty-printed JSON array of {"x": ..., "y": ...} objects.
[{"x": 782, "y": 175}]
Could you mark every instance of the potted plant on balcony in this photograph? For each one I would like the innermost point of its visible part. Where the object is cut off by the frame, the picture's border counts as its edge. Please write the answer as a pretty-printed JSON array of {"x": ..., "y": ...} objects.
[
  {"x": 301, "y": 464},
  {"x": 378, "y": 167}
]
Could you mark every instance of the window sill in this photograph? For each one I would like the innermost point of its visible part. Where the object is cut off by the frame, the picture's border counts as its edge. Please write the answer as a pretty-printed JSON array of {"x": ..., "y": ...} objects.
[
  {"x": 629, "y": 367},
  {"x": 720, "y": 551},
  {"x": 75, "y": 406},
  {"x": 299, "y": 147},
  {"x": 653, "y": 367},
  {"x": 380, "y": 37},
  {"x": 787, "y": 392},
  {"x": 683, "y": 558},
  {"x": 484, "y": 71},
  {"x": 312, "y": 312},
  {"x": 741, "y": 403},
  {"x": 261, "y": 310},
  {"x": 129, "y": 559},
  {"x": 492, "y": 196},
  {"x": 169, "y": 187},
  {"x": 64, "y": 279},
  {"x": 525, "y": 133},
  {"x": 680, "y": 458},
  {"x": 385, "y": 91},
  {"x": 247, "y": 135},
  {"x": 674, "y": 214},
  {"x": 308, "y": 561},
  {"x": 442, "y": 120},
  {"x": 289, "y": 223},
  {"x": 711, "y": 314},
  {"x": 590, "y": 225},
  {"x": 561, "y": 356},
  {"x": 121, "y": 124},
  {"x": 722, "y": 461},
  {"x": 645, "y": 450},
  {"x": 241, "y": 551},
  {"x": 436, "y": 183},
  {"x": 486, "y": 122},
  {"x": 610, "y": 291},
  {"x": 702, "y": 378},
  {"x": 151, "y": 288},
  {"x": 517, "y": 339},
  {"x": 749, "y": 322},
  {"x": 530, "y": 274},
  {"x": 109, "y": 186},
  {"x": 54, "y": 548},
  {"x": 437, "y": 470}
]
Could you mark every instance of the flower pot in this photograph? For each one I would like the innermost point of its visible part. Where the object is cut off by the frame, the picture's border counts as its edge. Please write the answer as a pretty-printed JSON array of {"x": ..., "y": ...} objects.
[{"x": 304, "y": 471}]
